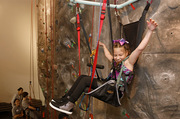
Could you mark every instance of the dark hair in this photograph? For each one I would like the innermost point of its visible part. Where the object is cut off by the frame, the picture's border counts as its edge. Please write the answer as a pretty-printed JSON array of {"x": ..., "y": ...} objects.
[
  {"x": 126, "y": 47},
  {"x": 20, "y": 88},
  {"x": 24, "y": 94},
  {"x": 62, "y": 115},
  {"x": 15, "y": 100}
]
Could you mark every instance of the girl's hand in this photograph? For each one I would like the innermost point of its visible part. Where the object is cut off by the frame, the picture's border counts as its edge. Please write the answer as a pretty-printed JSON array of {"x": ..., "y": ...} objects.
[
  {"x": 152, "y": 24},
  {"x": 101, "y": 44}
]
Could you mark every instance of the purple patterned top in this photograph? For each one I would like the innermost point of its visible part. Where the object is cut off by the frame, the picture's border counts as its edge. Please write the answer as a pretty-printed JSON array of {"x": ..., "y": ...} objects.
[{"x": 117, "y": 70}]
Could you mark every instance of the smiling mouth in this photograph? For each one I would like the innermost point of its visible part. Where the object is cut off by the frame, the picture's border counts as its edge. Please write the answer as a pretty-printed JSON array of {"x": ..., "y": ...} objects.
[{"x": 118, "y": 61}]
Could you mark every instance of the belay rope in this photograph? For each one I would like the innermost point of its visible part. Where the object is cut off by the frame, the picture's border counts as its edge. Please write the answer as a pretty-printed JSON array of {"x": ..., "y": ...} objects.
[
  {"x": 78, "y": 31},
  {"x": 102, "y": 17},
  {"x": 96, "y": 55},
  {"x": 110, "y": 26},
  {"x": 86, "y": 38},
  {"x": 109, "y": 92}
]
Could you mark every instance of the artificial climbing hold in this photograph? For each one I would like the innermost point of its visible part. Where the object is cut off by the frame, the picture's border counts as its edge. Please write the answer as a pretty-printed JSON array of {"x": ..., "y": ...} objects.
[
  {"x": 73, "y": 20},
  {"x": 42, "y": 49},
  {"x": 49, "y": 47}
]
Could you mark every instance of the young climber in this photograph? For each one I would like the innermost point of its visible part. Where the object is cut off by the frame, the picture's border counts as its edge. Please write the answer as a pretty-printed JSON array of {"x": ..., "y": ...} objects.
[
  {"x": 17, "y": 111},
  {"x": 121, "y": 52}
]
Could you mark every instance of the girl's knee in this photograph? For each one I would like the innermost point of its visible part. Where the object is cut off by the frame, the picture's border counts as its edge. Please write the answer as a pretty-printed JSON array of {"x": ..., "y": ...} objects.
[{"x": 82, "y": 76}]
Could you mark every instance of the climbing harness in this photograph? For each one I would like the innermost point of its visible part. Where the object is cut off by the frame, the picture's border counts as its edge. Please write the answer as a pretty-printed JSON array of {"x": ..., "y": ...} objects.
[{"x": 111, "y": 91}]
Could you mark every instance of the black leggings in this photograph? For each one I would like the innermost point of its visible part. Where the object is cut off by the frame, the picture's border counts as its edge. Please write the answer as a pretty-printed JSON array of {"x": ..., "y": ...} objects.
[{"x": 79, "y": 87}]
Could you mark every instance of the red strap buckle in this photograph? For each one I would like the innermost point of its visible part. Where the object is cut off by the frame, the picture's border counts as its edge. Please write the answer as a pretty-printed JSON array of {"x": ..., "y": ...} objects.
[
  {"x": 78, "y": 28},
  {"x": 102, "y": 17}
]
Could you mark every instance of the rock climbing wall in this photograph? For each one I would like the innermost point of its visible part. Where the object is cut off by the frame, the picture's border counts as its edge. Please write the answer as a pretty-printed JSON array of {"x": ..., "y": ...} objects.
[
  {"x": 157, "y": 89},
  {"x": 154, "y": 92}
]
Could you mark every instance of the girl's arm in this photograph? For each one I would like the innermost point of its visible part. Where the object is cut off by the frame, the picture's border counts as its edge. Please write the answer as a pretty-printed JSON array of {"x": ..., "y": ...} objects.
[
  {"x": 106, "y": 52},
  {"x": 18, "y": 115},
  {"x": 32, "y": 108},
  {"x": 135, "y": 54}
]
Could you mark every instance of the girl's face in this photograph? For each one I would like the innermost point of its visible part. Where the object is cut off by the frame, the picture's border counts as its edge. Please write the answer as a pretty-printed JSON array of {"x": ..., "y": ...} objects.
[
  {"x": 17, "y": 102},
  {"x": 120, "y": 54}
]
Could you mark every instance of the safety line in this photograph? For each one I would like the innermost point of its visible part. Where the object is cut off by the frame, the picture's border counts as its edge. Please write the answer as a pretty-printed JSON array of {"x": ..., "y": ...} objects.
[
  {"x": 53, "y": 24},
  {"x": 78, "y": 31},
  {"x": 102, "y": 17},
  {"x": 37, "y": 40},
  {"x": 50, "y": 25},
  {"x": 31, "y": 33},
  {"x": 31, "y": 88},
  {"x": 47, "y": 84}
]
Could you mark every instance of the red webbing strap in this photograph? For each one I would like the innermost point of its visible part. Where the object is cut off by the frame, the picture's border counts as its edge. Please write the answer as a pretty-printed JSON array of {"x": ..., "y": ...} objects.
[
  {"x": 91, "y": 116},
  {"x": 150, "y": 2},
  {"x": 96, "y": 55},
  {"x": 132, "y": 6},
  {"x": 115, "y": 7},
  {"x": 78, "y": 30}
]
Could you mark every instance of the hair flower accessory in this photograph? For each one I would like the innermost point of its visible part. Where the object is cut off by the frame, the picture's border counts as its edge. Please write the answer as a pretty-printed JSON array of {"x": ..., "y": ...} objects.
[{"x": 120, "y": 41}]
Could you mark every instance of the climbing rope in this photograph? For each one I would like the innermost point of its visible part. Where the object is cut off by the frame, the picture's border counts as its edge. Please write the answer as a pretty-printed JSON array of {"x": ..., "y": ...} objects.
[
  {"x": 53, "y": 26},
  {"x": 31, "y": 87},
  {"x": 36, "y": 40},
  {"x": 78, "y": 31},
  {"x": 150, "y": 1},
  {"x": 102, "y": 17},
  {"x": 46, "y": 50},
  {"x": 86, "y": 38},
  {"x": 52, "y": 54}
]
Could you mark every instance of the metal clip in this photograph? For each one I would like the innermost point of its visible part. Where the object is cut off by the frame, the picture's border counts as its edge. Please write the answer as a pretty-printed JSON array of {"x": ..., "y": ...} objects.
[
  {"x": 117, "y": 13},
  {"x": 93, "y": 53},
  {"x": 78, "y": 10}
]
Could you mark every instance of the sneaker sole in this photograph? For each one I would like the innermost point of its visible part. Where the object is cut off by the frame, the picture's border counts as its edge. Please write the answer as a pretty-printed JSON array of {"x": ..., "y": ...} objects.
[
  {"x": 53, "y": 100},
  {"x": 60, "y": 110}
]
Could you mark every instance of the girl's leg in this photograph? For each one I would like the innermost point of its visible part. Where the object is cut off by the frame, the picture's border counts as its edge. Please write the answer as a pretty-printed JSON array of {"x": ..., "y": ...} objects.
[
  {"x": 66, "y": 104},
  {"x": 81, "y": 86},
  {"x": 75, "y": 84},
  {"x": 68, "y": 94}
]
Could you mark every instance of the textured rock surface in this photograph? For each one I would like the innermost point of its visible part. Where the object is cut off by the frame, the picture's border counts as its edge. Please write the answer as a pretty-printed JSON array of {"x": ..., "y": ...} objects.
[{"x": 155, "y": 92}]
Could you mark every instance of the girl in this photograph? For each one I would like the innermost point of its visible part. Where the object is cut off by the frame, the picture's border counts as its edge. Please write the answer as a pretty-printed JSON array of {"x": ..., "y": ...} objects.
[
  {"x": 17, "y": 110},
  {"x": 121, "y": 51}
]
